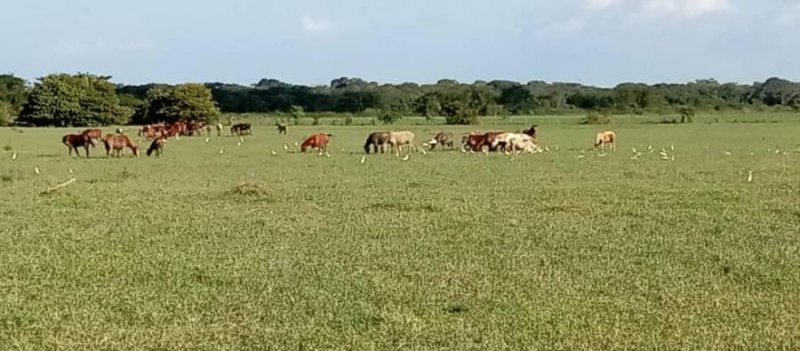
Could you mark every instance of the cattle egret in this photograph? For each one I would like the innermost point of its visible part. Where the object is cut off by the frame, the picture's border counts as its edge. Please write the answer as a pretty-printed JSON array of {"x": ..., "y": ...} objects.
[
  {"x": 672, "y": 158},
  {"x": 728, "y": 153},
  {"x": 36, "y": 170},
  {"x": 285, "y": 147},
  {"x": 406, "y": 158},
  {"x": 239, "y": 144},
  {"x": 241, "y": 139},
  {"x": 70, "y": 171},
  {"x": 423, "y": 152},
  {"x": 546, "y": 148},
  {"x": 633, "y": 150},
  {"x": 556, "y": 147},
  {"x": 602, "y": 155},
  {"x": 635, "y": 157},
  {"x": 363, "y": 159},
  {"x": 296, "y": 144},
  {"x": 463, "y": 151},
  {"x": 14, "y": 156},
  {"x": 750, "y": 177},
  {"x": 672, "y": 147},
  {"x": 274, "y": 153},
  {"x": 208, "y": 139},
  {"x": 581, "y": 157},
  {"x": 221, "y": 151},
  {"x": 327, "y": 154},
  {"x": 777, "y": 151}
]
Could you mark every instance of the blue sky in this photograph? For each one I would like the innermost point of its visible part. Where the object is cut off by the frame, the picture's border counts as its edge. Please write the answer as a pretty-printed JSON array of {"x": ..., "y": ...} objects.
[{"x": 601, "y": 42}]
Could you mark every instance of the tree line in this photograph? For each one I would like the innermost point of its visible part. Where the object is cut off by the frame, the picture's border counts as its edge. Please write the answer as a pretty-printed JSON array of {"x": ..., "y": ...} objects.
[{"x": 86, "y": 99}]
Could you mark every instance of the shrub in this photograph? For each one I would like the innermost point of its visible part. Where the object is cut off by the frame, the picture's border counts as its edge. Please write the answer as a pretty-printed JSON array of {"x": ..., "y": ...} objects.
[{"x": 595, "y": 117}]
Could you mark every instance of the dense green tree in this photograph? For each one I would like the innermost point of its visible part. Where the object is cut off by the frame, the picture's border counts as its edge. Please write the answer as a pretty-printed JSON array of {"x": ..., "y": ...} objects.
[
  {"x": 74, "y": 100},
  {"x": 184, "y": 102}
]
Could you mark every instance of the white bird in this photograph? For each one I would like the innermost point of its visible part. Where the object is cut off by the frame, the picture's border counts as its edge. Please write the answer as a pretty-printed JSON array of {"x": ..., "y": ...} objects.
[
  {"x": 70, "y": 171},
  {"x": 36, "y": 170},
  {"x": 673, "y": 158},
  {"x": 296, "y": 144},
  {"x": 406, "y": 158},
  {"x": 239, "y": 144},
  {"x": 241, "y": 139},
  {"x": 750, "y": 177},
  {"x": 221, "y": 151},
  {"x": 581, "y": 157},
  {"x": 285, "y": 147},
  {"x": 546, "y": 148},
  {"x": 728, "y": 153},
  {"x": 274, "y": 153},
  {"x": 327, "y": 154},
  {"x": 777, "y": 151},
  {"x": 363, "y": 159},
  {"x": 633, "y": 150},
  {"x": 635, "y": 157},
  {"x": 208, "y": 139},
  {"x": 14, "y": 156},
  {"x": 423, "y": 152},
  {"x": 672, "y": 147},
  {"x": 602, "y": 155}
]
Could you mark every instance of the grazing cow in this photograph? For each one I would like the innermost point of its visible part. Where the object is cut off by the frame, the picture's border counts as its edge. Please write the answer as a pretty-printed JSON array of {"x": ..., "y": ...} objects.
[
  {"x": 241, "y": 129},
  {"x": 282, "y": 128},
  {"x": 157, "y": 146},
  {"x": 74, "y": 141},
  {"x": 118, "y": 142},
  {"x": 317, "y": 141},
  {"x": 476, "y": 141},
  {"x": 531, "y": 132},
  {"x": 445, "y": 139},
  {"x": 195, "y": 128},
  {"x": 606, "y": 138},
  {"x": 398, "y": 139},
  {"x": 377, "y": 141},
  {"x": 94, "y": 134},
  {"x": 517, "y": 142},
  {"x": 151, "y": 131}
]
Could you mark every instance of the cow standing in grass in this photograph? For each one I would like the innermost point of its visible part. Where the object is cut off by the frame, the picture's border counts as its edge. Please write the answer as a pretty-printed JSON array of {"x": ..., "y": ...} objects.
[
  {"x": 398, "y": 139},
  {"x": 445, "y": 139},
  {"x": 241, "y": 129},
  {"x": 377, "y": 141},
  {"x": 282, "y": 128},
  {"x": 117, "y": 143},
  {"x": 94, "y": 134},
  {"x": 317, "y": 141},
  {"x": 606, "y": 138},
  {"x": 74, "y": 141},
  {"x": 157, "y": 146}
]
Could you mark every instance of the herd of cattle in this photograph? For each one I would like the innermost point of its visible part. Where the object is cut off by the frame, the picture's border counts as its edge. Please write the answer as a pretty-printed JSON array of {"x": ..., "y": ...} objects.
[{"x": 158, "y": 134}]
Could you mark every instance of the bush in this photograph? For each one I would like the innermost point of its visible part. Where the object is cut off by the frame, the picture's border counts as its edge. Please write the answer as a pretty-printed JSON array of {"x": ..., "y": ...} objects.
[
  {"x": 5, "y": 114},
  {"x": 348, "y": 120},
  {"x": 388, "y": 117},
  {"x": 595, "y": 117},
  {"x": 315, "y": 120}
]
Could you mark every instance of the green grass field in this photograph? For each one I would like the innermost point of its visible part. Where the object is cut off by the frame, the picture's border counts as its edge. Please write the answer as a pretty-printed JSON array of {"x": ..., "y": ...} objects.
[{"x": 446, "y": 251}]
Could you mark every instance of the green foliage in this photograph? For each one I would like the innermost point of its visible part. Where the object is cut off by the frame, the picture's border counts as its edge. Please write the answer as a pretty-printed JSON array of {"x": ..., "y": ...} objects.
[
  {"x": 596, "y": 117},
  {"x": 348, "y": 120},
  {"x": 184, "y": 102},
  {"x": 13, "y": 91},
  {"x": 297, "y": 112},
  {"x": 6, "y": 117},
  {"x": 687, "y": 114},
  {"x": 315, "y": 120},
  {"x": 74, "y": 100},
  {"x": 389, "y": 117}
]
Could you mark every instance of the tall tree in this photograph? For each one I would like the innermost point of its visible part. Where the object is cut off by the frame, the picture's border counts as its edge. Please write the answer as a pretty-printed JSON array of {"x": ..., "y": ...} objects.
[
  {"x": 184, "y": 102},
  {"x": 74, "y": 100}
]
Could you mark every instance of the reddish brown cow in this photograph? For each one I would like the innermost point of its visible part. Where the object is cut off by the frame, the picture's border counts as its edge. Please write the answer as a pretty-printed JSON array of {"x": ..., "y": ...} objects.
[
  {"x": 119, "y": 142},
  {"x": 95, "y": 134},
  {"x": 74, "y": 141},
  {"x": 476, "y": 141},
  {"x": 317, "y": 141}
]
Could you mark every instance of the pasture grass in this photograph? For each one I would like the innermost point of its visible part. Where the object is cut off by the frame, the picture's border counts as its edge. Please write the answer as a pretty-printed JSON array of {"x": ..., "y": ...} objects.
[{"x": 569, "y": 249}]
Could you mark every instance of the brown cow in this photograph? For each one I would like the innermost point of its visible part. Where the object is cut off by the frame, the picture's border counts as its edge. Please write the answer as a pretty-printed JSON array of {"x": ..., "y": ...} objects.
[
  {"x": 377, "y": 141},
  {"x": 443, "y": 139},
  {"x": 74, "y": 141},
  {"x": 317, "y": 141},
  {"x": 476, "y": 141},
  {"x": 118, "y": 142},
  {"x": 157, "y": 146},
  {"x": 606, "y": 138},
  {"x": 241, "y": 129},
  {"x": 94, "y": 134}
]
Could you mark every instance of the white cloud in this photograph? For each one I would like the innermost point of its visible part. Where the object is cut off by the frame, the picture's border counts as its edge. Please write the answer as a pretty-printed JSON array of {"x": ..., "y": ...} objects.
[
  {"x": 681, "y": 9},
  {"x": 602, "y": 4},
  {"x": 686, "y": 8},
  {"x": 313, "y": 25}
]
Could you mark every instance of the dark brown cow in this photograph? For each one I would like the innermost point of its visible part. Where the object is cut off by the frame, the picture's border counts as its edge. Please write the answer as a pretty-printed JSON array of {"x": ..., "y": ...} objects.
[
  {"x": 476, "y": 141},
  {"x": 117, "y": 143},
  {"x": 157, "y": 146},
  {"x": 377, "y": 141},
  {"x": 282, "y": 128},
  {"x": 74, "y": 141},
  {"x": 241, "y": 129}
]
